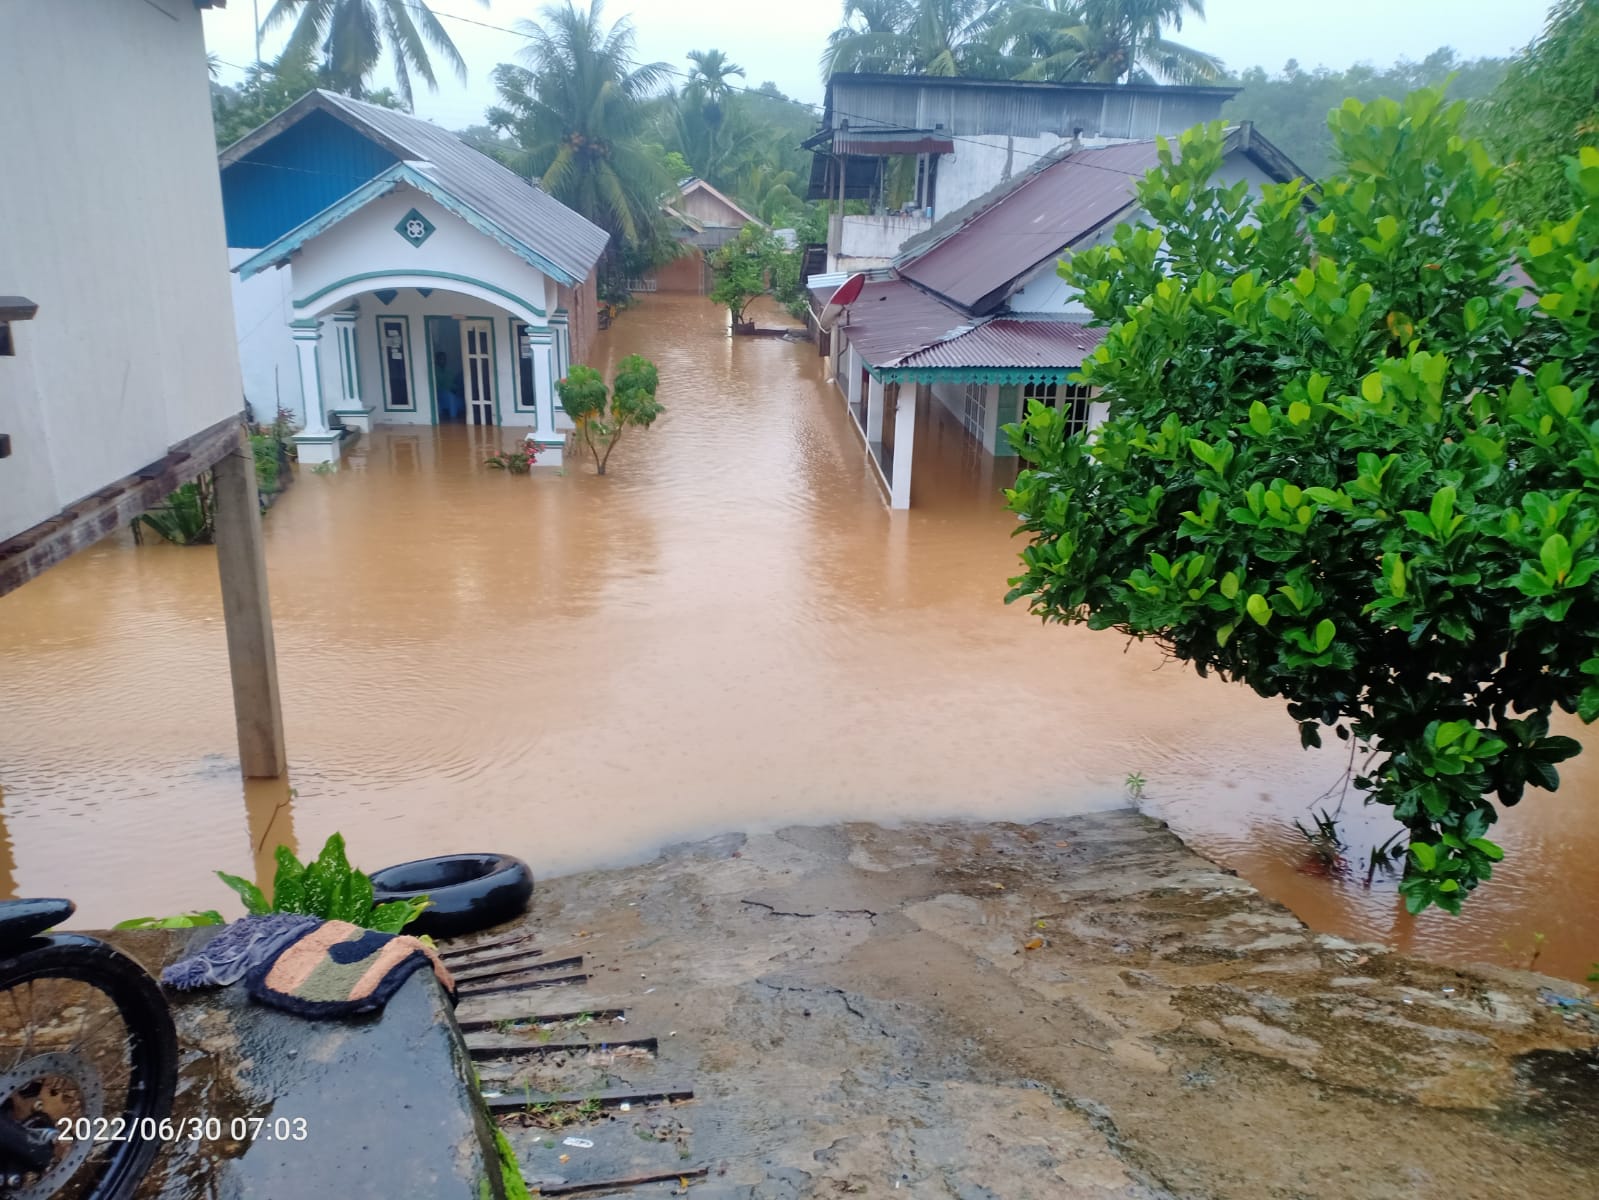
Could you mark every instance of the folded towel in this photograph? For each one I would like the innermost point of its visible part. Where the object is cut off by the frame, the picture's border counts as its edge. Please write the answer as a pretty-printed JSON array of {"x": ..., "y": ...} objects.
[
  {"x": 239, "y": 948},
  {"x": 338, "y": 969}
]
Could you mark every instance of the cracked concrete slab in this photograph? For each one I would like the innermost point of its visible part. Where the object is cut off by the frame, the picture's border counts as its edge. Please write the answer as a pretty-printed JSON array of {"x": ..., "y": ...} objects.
[{"x": 1077, "y": 1008}]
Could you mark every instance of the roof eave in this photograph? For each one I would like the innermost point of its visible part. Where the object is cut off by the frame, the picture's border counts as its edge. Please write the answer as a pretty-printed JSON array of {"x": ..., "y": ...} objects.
[
  {"x": 401, "y": 173},
  {"x": 312, "y": 101}
]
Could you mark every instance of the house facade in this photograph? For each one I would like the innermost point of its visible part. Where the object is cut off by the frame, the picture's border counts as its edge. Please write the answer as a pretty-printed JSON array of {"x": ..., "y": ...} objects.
[
  {"x": 944, "y": 142},
  {"x": 703, "y": 220},
  {"x": 119, "y": 379},
  {"x": 387, "y": 273},
  {"x": 973, "y": 316}
]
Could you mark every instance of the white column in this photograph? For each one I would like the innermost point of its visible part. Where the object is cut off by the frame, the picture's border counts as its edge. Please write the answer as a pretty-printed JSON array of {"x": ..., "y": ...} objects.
[
  {"x": 852, "y": 376},
  {"x": 352, "y": 411},
  {"x": 904, "y": 449},
  {"x": 307, "y": 337},
  {"x": 874, "y": 410},
  {"x": 316, "y": 443},
  {"x": 542, "y": 344}
]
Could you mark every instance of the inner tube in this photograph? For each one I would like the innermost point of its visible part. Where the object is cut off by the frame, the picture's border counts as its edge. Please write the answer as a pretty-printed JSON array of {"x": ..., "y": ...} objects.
[{"x": 470, "y": 892}]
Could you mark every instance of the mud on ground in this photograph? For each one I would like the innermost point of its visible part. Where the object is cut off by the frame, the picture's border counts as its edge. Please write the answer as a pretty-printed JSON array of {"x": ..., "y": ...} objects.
[{"x": 1077, "y": 1008}]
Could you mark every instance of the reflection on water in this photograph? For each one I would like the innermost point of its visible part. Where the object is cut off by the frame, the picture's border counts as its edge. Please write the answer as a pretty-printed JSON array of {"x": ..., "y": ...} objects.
[{"x": 729, "y": 630}]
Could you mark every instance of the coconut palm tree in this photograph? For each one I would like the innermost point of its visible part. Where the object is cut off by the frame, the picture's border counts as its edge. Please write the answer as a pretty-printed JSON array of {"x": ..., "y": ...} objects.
[
  {"x": 1104, "y": 41},
  {"x": 928, "y": 37},
  {"x": 577, "y": 111},
  {"x": 346, "y": 39}
]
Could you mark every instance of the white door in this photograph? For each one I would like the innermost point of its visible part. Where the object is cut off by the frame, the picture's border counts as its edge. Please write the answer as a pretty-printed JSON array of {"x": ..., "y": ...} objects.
[{"x": 477, "y": 362}]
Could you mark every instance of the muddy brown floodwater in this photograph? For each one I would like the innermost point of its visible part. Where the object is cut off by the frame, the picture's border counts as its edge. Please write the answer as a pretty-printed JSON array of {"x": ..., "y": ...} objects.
[{"x": 728, "y": 631}]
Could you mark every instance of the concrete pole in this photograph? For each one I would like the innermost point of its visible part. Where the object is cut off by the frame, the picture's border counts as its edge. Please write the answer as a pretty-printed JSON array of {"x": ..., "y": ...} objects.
[
  {"x": 904, "y": 448},
  {"x": 247, "y": 613}
]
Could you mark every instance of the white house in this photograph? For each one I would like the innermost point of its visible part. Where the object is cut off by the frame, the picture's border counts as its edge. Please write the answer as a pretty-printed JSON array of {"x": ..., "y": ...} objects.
[
  {"x": 119, "y": 379},
  {"x": 973, "y": 314},
  {"x": 948, "y": 140},
  {"x": 389, "y": 273}
]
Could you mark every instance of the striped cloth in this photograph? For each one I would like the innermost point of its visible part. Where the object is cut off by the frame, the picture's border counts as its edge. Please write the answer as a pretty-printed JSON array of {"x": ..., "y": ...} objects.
[{"x": 338, "y": 969}]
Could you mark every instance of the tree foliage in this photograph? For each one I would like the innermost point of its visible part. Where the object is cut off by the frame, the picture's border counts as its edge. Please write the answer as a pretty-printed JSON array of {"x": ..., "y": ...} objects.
[
  {"x": 268, "y": 89},
  {"x": 347, "y": 39},
  {"x": 602, "y": 415},
  {"x": 1344, "y": 466},
  {"x": 1102, "y": 41},
  {"x": 576, "y": 113},
  {"x": 1291, "y": 106},
  {"x": 744, "y": 268},
  {"x": 1547, "y": 105}
]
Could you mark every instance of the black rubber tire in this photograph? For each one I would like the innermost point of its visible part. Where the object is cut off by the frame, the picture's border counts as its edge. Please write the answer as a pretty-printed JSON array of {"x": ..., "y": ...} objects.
[
  {"x": 153, "y": 1078},
  {"x": 470, "y": 892}
]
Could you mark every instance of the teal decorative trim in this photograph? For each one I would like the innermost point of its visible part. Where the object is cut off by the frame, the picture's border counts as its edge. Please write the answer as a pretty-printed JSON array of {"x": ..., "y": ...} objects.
[
  {"x": 307, "y": 327},
  {"x": 345, "y": 316},
  {"x": 424, "y": 292},
  {"x": 415, "y": 228},
  {"x": 279, "y": 251},
  {"x": 386, "y": 295},
  {"x": 307, "y": 301},
  {"x": 1000, "y": 375}
]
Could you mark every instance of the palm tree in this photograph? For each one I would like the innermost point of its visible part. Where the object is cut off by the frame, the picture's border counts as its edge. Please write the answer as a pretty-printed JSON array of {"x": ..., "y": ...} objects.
[
  {"x": 576, "y": 112},
  {"x": 1104, "y": 41},
  {"x": 927, "y": 37},
  {"x": 347, "y": 39},
  {"x": 710, "y": 73}
]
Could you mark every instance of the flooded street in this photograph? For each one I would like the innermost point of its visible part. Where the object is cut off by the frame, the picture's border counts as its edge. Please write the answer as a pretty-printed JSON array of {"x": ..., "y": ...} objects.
[{"x": 728, "y": 631}]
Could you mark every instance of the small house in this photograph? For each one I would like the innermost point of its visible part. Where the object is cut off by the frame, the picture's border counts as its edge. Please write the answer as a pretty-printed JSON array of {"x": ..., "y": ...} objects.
[
  {"x": 388, "y": 273},
  {"x": 973, "y": 315}
]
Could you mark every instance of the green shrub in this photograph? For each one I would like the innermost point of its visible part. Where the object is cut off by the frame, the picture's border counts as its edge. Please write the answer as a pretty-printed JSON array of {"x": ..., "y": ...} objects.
[{"x": 1344, "y": 467}]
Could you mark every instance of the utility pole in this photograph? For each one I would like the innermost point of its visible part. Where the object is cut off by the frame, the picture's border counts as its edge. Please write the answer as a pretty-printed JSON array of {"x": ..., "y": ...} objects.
[{"x": 255, "y": 11}]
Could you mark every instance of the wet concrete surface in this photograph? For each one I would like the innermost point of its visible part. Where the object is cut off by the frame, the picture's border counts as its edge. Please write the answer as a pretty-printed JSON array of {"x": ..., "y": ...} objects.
[
  {"x": 380, "y": 1106},
  {"x": 1070, "y": 1009}
]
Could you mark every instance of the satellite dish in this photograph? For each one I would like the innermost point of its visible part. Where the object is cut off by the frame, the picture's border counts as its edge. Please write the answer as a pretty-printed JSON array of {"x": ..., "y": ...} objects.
[{"x": 848, "y": 292}]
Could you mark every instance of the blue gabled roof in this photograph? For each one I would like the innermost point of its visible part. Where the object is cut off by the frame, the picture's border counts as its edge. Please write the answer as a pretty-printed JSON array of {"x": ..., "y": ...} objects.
[{"x": 274, "y": 203}]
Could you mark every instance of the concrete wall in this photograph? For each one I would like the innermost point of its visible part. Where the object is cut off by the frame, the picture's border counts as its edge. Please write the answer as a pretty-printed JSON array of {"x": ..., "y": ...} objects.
[
  {"x": 872, "y": 238},
  {"x": 983, "y": 162},
  {"x": 111, "y": 220},
  {"x": 367, "y": 241},
  {"x": 582, "y": 319},
  {"x": 262, "y": 310}
]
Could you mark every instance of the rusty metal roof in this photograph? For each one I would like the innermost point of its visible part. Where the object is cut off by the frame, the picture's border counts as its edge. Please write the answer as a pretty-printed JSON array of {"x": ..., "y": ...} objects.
[
  {"x": 981, "y": 252},
  {"x": 907, "y": 335},
  {"x": 1011, "y": 343}
]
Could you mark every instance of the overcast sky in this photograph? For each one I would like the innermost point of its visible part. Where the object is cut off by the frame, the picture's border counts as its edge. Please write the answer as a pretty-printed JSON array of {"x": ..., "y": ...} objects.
[{"x": 783, "y": 42}]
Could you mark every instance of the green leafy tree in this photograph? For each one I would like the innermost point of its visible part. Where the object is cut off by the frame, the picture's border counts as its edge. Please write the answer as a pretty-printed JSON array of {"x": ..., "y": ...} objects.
[
  {"x": 1344, "y": 467},
  {"x": 602, "y": 415},
  {"x": 348, "y": 40},
  {"x": 743, "y": 270},
  {"x": 1103, "y": 41},
  {"x": 1292, "y": 105},
  {"x": 268, "y": 89},
  {"x": 1547, "y": 106},
  {"x": 577, "y": 114}
]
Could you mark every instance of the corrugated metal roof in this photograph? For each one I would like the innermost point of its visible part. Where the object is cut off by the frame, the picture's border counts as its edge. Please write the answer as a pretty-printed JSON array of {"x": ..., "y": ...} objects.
[
  {"x": 981, "y": 252},
  {"x": 900, "y": 330},
  {"x": 891, "y": 141},
  {"x": 1012, "y": 343},
  {"x": 892, "y": 319},
  {"x": 522, "y": 209}
]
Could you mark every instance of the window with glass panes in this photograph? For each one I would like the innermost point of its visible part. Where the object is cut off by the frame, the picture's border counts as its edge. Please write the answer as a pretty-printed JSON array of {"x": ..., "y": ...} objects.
[
  {"x": 976, "y": 410},
  {"x": 1068, "y": 398}
]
